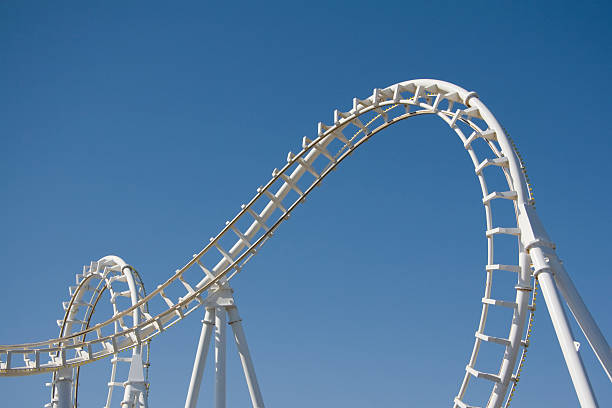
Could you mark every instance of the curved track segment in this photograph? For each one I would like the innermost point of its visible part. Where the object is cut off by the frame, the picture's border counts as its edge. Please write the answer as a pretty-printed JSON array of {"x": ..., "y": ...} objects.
[
  {"x": 109, "y": 275},
  {"x": 195, "y": 283}
]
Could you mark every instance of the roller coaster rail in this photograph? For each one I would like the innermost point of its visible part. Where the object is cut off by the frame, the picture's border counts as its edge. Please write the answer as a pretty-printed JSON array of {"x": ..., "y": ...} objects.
[
  {"x": 198, "y": 283},
  {"x": 113, "y": 275}
]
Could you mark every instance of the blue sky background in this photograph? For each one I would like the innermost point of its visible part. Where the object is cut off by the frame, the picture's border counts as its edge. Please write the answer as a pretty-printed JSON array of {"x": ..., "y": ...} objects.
[{"x": 138, "y": 128}]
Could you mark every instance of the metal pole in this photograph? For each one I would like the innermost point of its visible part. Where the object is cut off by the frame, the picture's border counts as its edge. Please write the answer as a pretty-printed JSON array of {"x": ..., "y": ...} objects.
[
  {"x": 63, "y": 388},
  {"x": 128, "y": 397},
  {"x": 585, "y": 320},
  {"x": 135, "y": 385},
  {"x": 200, "y": 359},
  {"x": 566, "y": 341},
  {"x": 220, "y": 341},
  {"x": 142, "y": 400},
  {"x": 245, "y": 357}
]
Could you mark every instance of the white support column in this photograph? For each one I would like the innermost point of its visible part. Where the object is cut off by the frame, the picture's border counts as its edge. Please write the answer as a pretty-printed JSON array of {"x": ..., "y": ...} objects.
[
  {"x": 200, "y": 359},
  {"x": 143, "y": 400},
  {"x": 220, "y": 352},
  {"x": 583, "y": 317},
  {"x": 220, "y": 308},
  {"x": 128, "y": 397},
  {"x": 134, "y": 396},
  {"x": 135, "y": 386},
  {"x": 63, "y": 388},
  {"x": 564, "y": 334},
  {"x": 548, "y": 269},
  {"x": 245, "y": 357}
]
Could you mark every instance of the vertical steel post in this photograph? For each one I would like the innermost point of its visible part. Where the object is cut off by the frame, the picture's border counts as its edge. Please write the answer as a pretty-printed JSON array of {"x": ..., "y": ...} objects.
[
  {"x": 143, "y": 400},
  {"x": 63, "y": 388},
  {"x": 128, "y": 397},
  {"x": 245, "y": 357},
  {"x": 135, "y": 385},
  {"x": 566, "y": 340},
  {"x": 220, "y": 352},
  {"x": 200, "y": 359}
]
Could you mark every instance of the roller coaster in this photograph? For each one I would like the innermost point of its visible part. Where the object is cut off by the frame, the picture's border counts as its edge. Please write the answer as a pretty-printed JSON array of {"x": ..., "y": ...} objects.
[{"x": 204, "y": 280}]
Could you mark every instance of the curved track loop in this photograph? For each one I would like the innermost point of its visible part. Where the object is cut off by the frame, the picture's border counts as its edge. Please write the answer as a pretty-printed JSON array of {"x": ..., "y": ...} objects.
[
  {"x": 108, "y": 275},
  {"x": 491, "y": 154}
]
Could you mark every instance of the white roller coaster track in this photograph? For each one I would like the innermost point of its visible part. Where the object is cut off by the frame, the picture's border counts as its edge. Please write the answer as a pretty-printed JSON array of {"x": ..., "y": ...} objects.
[
  {"x": 119, "y": 280},
  {"x": 241, "y": 238}
]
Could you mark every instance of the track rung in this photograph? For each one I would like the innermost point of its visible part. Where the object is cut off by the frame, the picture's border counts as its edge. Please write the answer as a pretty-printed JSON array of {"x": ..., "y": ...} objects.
[
  {"x": 508, "y": 195},
  {"x": 258, "y": 219},
  {"x": 499, "y": 267},
  {"x": 224, "y": 253},
  {"x": 291, "y": 183},
  {"x": 125, "y": 293},
  {"x": 340, "y": 136},
  {"x": 308, "y": 167},
  {"x": 121, "y": 359},
  {"x": 276, "y": 202},
  {"x": 479, "y": 374},
  {"x": 472, "y": 112},
  {"x": 496, "y": 302},
  {"x": 208, "y": 273},
  {"x": 498, "y": 161},
  {"x": 462, "y": 404},
  {"x": 74, "y": 321},
  {"x": 339, "y": 116},
  {"x": 240, "y": 235},
  {"x": 418, "y": 93},
  {"x": 503, "y": 230},
  {"x": 115, "y": 384},
  {"x": 166, "y": 299},
  {"x": 65, "y": 305},
  {"x": 436, "y": 101},
  {"x": 453, "y": 96},
  {"x": 357, "y": 122},
  {"x": 118, "y": 278},
  {"x": 322, "y": 128},
  {"x": 491, "y": 339},
  {"x": 186, "y": 285},
  {"x": 488, "y": 134},
  {"x": 322, "y": 150},
  {"x": 455, "y": 117}
]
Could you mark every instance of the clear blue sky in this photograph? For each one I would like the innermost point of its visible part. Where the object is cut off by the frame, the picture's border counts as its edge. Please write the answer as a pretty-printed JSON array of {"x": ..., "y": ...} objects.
[{"x": 138, "y": 128}]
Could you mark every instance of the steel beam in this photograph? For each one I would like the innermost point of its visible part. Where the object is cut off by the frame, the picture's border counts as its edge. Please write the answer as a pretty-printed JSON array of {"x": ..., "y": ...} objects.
[
  {"x": 245, "y": 357},
  {"x": 200, "y": 359},
  {"x": 220, "y": 353},
  {"x": 574, "y": 363}
]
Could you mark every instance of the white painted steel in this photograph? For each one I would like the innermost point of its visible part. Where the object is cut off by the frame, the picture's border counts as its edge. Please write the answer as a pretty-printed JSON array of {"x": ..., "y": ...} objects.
[
  {"x": 220, "y": 360},
  {"x": 473, "y": 123},
  {"x": 63, "y": 397},
  {"x": 200, "y": 360},
  {"x": 218, "y": 307},
  {"x": 245, "y": 357},
  {"x": 135, "y": 395},
  {"x": 566, "y": 341},
  {"x": 544, "y": 250},
  {"x": 584, "y": 318},
  {"x": 109, "y": 272}
]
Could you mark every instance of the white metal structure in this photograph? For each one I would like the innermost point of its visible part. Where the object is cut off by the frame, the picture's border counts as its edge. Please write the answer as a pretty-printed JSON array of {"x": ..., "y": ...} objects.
[
  {"x": 496, "y": 163},
  {"x": 113, "y": 276},
  {"x": 219, "y": 307}
]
